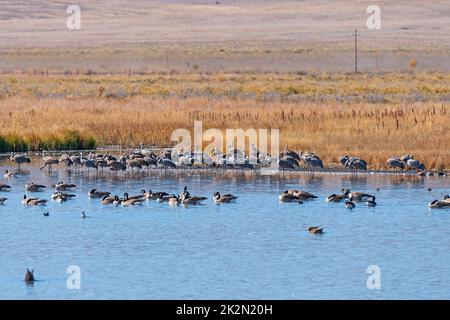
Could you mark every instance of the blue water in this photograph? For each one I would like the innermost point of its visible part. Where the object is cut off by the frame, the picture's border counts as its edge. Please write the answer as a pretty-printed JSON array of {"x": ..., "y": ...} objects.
[{"x": 255, "y": 248}]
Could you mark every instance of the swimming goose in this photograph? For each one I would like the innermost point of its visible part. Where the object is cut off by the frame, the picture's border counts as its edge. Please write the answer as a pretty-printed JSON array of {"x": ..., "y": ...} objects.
[
  {"x": 108, "y": 199},
  {"x": 349, "y": 205},
  {"x": 371, "y": 202},
  {"x": 446, "y": 198},
  {"x": 32, "y": 187},
  {"x": 439, "y": 204},
  {"x": 185, "y": 192},
  {"x": 287, "y": 197},
  {"x": 29, "y": 276},
  {"x": 126, "y": 196},
  {"x": 4, "y": 187},
  {"x": 33, "y": 201},
  {"x": 226, "y": 198},
  {"x": 174, "y": 201},
  {"x": 359, "y": 196},
  {"x": 8, "y": 174},
  {"x": 94, "y": 193},
  {"x": 188, "y": 200},
  {"x": 315, "y": 230},
  {"x": 117, "y": 201},
  {"x": 153, "y": 195},
  {"x": 2, "y": 200},
  {"x": 337, "y": 197},
  {"x": 64, "y": 196},
  {"x": 302, "y": 195},
  {"x": 131, "y": 201},
  {"x": 61, "y": 186}
]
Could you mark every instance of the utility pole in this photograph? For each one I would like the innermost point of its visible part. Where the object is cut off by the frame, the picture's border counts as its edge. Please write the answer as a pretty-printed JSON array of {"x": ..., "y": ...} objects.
[{"x": 356, "y": 50}]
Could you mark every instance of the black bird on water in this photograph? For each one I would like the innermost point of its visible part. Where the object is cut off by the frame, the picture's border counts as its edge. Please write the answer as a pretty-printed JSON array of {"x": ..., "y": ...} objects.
[{"x": 29, "y": 277}]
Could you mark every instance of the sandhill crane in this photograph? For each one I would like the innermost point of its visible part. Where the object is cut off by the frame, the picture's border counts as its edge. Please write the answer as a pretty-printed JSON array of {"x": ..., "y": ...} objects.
[
  {"x": 415, "y": 164},
  {"x": 395, "y": 163},
  {"x": 313, "y": 161},
  {"x": 19, "y": 159},
  {"x": 48, "y": 161}
]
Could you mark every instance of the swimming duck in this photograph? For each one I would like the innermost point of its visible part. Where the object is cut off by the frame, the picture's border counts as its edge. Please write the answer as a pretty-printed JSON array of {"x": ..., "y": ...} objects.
[
  {"x": 83, "y": 215},
  {"x": 226, "y": 198},
  {"x": 349, "y": 205},
  {"x": 94, "y": 193},
  {"x": 315, "y": 230},
  {"x": 32, "y": 187},
  {"x": 29, "y": 276},
  {"x": 46, "y": 214}
]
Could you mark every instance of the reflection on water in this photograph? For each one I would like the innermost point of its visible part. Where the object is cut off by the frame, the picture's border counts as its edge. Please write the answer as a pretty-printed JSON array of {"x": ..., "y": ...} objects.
[{"x": 255, "y": 248}]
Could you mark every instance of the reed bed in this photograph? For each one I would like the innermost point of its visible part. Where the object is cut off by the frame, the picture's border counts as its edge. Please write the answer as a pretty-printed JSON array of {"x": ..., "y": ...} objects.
[{"x": 371, "y": 131}]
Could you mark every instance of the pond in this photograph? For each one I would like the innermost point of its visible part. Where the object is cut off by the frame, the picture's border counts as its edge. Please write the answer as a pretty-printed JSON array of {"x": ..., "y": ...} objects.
[{"x": 255, "y": 248}]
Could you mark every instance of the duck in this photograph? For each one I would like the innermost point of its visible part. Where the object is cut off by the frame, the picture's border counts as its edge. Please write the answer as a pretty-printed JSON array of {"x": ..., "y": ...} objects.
[
  {"x": 32, "y": 187},
  {"x": 315, "y": 230},
  {"x": 302, "y": 195},
  {"x": 439, "y": 204},
  {"x": 226, "y": 198},
  {"x": 2, "y": 200},
  {"x": 349, "y": 205},
  {"x": 33, "y": 201},
  {"x": 287, "y": 197},
  {"x": 83, "y": 215},
  {"x": 337, "y": 197},
  {"x": 61, "y": 186},
  {"x": 29, "y": 276},
  {"x": 188, "y": 200},
  {"x": 371, "y": 202},
  {"x": 359, "y": 196},
  {"x": 46, "y": 214},
  {"x": 108, "y": 199},
  {"x": 4, "y": 187},
  {"x": 8, "y": 174},
  {"x": 94, "y": 193}
]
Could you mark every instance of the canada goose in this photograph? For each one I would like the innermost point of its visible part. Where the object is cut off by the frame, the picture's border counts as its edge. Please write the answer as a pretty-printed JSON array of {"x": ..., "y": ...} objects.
[
  {"x": 29, "y": 276},
  {"x": 46, "y": 214},
  {"x": 4, "y": 187},
  {"x": 153, "y": 195},
  {"x": 359, "y": 196},
  {"x": 19, "y": 159},
  {"x": 174, "y": 201},
  {"x": 349, "y": 205},
  {"x": 337, "y": 197},
  {"x": 33, "y": 201},
  {"x": 287, "y": 197},
  {"x": 94, "y": 193},
  {"x": 63, "y": 195},
  {"x": 165, "y": 198},
  {"x": 126, "y": 196},
  {"x": 302, "y": 195},
  {"x": 188, "y": 200},
  {"x": 8, "y": 174},
  {"x": 32, "y": 187},
  {"x": 108, "y": 199},
  {"x": 315, "y": 230},
  {"x": 446, "y": 198},
  {"x": 371, "y": 202},
  {"x": 131, "y": 201},
  {"x": 2, "y": 200},
  {"x": 185, "y": 192},
  {"x": 117, "y": 201},
  {"x": 226, "y": 198},
  {"x": 439, "y": 204},
  {"x": 61, "y": 186}
]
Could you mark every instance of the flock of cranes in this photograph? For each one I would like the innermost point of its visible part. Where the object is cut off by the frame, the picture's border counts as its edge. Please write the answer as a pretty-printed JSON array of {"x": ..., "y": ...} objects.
[{"x": 144, "y": 158}]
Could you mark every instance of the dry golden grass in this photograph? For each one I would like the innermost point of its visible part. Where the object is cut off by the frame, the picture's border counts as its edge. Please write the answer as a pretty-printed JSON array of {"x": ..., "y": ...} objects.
[{"x": 371, "y": 131}]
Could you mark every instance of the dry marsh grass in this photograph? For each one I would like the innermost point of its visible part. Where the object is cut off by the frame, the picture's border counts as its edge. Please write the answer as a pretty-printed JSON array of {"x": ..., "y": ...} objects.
[{"x": 371, "y": 131}]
